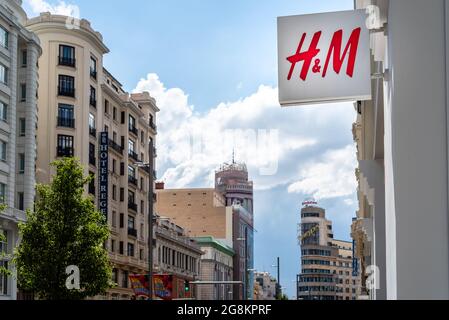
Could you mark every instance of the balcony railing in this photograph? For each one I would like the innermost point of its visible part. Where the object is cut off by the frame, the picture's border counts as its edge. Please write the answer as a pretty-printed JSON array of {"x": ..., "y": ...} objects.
[
  {"x": 133, "y": 155},
  {"x": 64, "y": 152},
  {"x": 132, "y": 206},
  {"x": 133, "y": 130},
  {"x": 92, "y": 131},
  {"x": 115, "y": 146},
  {"x": 68, "y": 62},
  {"x": 132, "y": 180},
  {"x": 66, "y": 91},
  {"x": 93, "y": 102},
  {"x": 66, "y": 122},
  {"x": 132, "y": 232}
]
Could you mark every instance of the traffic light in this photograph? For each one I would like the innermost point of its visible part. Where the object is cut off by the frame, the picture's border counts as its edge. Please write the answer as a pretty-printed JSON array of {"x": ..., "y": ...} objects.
[{"x": 186, "y": 286}]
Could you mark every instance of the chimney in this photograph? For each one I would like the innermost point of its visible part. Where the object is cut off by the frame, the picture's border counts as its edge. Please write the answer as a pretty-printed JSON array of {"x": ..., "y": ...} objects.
[{"x": 160, "y": 185}]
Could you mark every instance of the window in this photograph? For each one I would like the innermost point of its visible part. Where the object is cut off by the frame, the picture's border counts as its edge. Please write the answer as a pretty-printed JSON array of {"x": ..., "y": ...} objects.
[
  {"x": 66, "y": 56},
  {"x": 21, "y": 163},
  {"x": 114, "y": 113},
  {"x": 142, "y": 186},
  {"x": 114, "y": 192},
  {"x": 92, "y": 159},
  {"x": 3, "y": 112},
  {"x": 106, "y": 128},
  {"x": 131, "y": 171},
  {"x": 131, "y": 197},
  {"x": 66, "y": 86},
  {"x": 4, "y": 35},
  {"x": 3, "y": 74},
  {"x": 2, "y": 193},
  {"x": 23, "y": 92},
  {"x": 24, "y": 58},
  {"x": 92, "y": 183},
  {"x": 122, "y": 220},
  {"x": 114, "y": 165},
  {"x": 114, "y": 219},
  {"x": 66, "y": 116},
  {"x": 131, "y": 222},
  {"x": 130, "y": 146},
  {"x": 114, "y": 275},
  {"x": 20, "y": 201},
  {"x": 132, "y": 122},
  {"x": 122, "y": 117},
  {"x": 2, "y": 150},
  {"x": 65, "y": 146},
  {"x": 22, "y": 127},
  {"x": 93, "y": 67},
  {"x": 92, "y": 125},
  {"x": 93, "y": 97},
  {"x": 106, "y": 106},
  {"x": 120, "y": 247},
  {"x": 125, "y": 279},
  {"x": 141, "y": 255},
  {"x": 122, "y": 194},
  {"x": 130, "y": 250},
  {"x": 142, "y": 207}
]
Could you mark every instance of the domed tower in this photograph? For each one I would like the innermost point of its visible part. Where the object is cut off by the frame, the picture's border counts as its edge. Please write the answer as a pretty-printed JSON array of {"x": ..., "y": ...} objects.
[{"x": 232, "y": 181}]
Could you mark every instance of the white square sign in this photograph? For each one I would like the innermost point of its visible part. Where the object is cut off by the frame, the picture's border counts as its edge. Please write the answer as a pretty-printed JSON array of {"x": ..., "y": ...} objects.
[{"x": 324, "y": 57}]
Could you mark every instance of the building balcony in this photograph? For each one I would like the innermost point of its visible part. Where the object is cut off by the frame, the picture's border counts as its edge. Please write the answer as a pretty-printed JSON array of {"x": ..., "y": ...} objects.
[
  {"x": 66, "y": 92},
  {"x": 67, "y": 62},
  {"x": 134, "y": 130},
  {"x": 132, "y": 232},
  {"x": 132, "y": 180},
  {"x": 132, "y": 206},
  {"x": 64, "y": 152},
  {"x": 66, "y": 122},
  {"x": 92, "y": 132},
  {"x": 133, "y": 156},
  {"x": 115, "y": 146}
]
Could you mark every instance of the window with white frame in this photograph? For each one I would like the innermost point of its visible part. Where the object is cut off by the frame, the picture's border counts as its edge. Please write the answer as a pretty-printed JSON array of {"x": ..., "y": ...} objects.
[
  {"x": 3, "y": 74},
  {"x": 3, "y": 111},
  {"x": 2, "y": 150},
  {"x": 4, "y": 35}
]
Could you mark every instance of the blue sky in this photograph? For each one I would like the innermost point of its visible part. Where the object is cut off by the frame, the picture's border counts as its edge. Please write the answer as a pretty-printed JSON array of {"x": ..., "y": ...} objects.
[{"x": 212, "y": 66}]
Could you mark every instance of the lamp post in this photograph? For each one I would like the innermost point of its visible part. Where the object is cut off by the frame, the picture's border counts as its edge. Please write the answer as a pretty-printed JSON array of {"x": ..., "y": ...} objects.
[
  {"x": 150, "y": 168},
  {"x": 278, "y": 286}
]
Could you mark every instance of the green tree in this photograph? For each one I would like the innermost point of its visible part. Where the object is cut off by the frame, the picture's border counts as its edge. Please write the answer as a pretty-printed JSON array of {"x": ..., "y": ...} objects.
[{"x": 64, "y": 230}]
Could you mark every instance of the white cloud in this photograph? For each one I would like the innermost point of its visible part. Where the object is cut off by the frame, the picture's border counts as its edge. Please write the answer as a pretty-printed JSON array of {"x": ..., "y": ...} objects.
[
  {"x": 191, "y": 145},
  {"x": 332, "y": 176},
  {"x": 61, "y": 8}
]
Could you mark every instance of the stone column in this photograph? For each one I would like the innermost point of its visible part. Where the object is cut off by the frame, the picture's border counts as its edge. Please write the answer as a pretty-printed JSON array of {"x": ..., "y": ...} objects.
[{"x": 31, "y": 120}]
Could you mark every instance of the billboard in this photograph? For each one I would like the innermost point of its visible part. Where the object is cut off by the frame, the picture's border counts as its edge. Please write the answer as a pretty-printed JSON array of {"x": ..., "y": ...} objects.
[{"x": 324, "y": 58}]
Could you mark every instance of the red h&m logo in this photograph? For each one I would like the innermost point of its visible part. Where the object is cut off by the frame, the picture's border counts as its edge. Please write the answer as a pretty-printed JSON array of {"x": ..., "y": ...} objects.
[{"x": 334, "y": 50}]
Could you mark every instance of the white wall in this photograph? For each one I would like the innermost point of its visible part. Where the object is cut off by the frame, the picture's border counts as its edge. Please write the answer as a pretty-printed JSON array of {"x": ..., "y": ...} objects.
[{"x": 416, "y": 161}]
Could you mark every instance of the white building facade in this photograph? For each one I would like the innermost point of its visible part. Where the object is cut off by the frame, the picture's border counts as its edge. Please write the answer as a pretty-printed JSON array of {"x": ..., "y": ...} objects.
[
  {"x": 19, "y": 52},
  {"x": 402, "y": 228}
]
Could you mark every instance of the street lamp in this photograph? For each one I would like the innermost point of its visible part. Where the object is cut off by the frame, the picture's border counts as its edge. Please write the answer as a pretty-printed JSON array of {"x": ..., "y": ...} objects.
[
  {"x": 150, "y": 168},
  {"x": 278, "y": 287}
]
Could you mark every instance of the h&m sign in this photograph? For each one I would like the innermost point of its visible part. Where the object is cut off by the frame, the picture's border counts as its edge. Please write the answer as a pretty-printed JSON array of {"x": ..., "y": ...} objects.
[{"x": 324, "y": 58}]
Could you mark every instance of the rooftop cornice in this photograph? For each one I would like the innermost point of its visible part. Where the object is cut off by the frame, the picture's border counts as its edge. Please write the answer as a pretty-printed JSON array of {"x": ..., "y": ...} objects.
[{"x": 47, "y": 22}]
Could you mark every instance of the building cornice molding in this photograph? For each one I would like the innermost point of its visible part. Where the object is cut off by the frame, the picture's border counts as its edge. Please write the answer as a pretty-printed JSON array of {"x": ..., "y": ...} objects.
[{"x": 47, "y": 22}]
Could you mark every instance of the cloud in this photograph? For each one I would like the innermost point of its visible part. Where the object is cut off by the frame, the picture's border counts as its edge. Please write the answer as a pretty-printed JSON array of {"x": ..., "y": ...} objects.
[
  {"x": 279, "y": 145},
  {"x": 332, "y": 176},
  {"x": 61, "y": 8}
]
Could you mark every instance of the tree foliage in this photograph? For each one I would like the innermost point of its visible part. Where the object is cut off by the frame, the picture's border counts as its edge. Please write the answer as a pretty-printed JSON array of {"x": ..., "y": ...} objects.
[
  {"x": 65, "y": 229},
  {"x": 3, "y": 255}
]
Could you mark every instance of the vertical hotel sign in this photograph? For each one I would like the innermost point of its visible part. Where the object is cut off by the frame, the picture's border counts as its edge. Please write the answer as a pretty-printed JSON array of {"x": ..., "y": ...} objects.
[
  {"x": 103, "y": 176},
  {"x": 324, "y": 58}
]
